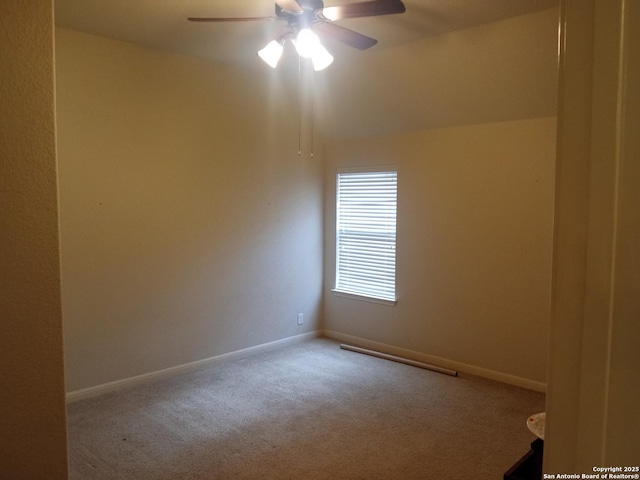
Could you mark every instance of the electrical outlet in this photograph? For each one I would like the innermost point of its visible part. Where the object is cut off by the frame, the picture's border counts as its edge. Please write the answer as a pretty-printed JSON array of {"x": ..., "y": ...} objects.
[{"x": 300, "y": 319}]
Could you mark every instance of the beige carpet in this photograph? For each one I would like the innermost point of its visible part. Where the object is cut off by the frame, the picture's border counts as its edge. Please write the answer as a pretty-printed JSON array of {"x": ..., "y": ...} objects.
[{"x": 308, "y": 411}]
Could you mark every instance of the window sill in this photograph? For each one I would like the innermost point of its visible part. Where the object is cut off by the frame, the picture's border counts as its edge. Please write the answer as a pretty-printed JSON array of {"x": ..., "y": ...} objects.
[{"x": 364, "y": 298}]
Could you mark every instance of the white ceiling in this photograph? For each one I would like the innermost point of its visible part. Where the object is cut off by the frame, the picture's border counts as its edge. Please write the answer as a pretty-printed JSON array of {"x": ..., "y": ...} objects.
[{"x": 163, "y": 25}]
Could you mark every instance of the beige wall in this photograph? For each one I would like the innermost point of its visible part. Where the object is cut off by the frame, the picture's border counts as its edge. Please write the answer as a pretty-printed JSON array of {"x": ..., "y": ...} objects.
[
  {"x": 500, "y": 71},
  {"x": 32, "y": 418},
  {"x": 476, "y": 174},
  {"x": 190, "y": 227},
  {"x": 474, "y": 247}
]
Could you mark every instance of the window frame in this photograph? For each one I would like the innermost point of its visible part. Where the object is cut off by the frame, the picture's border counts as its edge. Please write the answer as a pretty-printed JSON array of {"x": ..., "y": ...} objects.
[{"x": 339, "y": 289}]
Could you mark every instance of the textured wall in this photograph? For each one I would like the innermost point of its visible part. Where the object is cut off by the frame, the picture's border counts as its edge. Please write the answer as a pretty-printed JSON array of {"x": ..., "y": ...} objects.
[
  {"x": 190, "y": 227},
  {"x": 32, "y": 418}
]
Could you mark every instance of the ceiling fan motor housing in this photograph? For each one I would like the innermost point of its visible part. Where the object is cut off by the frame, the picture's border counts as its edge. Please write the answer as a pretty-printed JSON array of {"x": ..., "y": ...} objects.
[{"x": 308, "y": 6}]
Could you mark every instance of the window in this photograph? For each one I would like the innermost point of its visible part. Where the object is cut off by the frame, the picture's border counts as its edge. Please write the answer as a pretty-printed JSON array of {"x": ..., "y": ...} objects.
[{"x": 366, "y": 234}]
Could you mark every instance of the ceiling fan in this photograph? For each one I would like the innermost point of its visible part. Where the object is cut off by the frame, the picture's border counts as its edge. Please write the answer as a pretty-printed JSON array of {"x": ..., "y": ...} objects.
[{"x": 307, "y": 20}]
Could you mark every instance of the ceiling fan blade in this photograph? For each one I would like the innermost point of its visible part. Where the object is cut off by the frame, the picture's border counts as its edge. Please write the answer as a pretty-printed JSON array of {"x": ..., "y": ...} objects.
[
  {"x": 364, "y": 9},
  {"x": 289, "y": 5},
  {"x": 230, "y": 19},
  {"x": 344, "y": 35}
]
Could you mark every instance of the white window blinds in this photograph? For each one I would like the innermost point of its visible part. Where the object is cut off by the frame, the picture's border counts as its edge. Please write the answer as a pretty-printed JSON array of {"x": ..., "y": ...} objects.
[{"x": 366, "y": 234}]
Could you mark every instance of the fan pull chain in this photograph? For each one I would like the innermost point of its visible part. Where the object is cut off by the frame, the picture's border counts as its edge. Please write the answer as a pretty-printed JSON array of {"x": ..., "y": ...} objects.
[
  {"x": 311, "y": 108},
  {"x": 299, "y": 108}
]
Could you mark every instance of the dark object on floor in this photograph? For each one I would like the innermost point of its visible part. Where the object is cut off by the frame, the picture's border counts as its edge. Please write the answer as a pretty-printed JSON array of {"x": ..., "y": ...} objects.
[{"x": 529, "y": 467}]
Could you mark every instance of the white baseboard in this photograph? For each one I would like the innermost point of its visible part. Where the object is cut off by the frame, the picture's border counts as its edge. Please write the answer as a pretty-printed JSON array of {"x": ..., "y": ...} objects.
[
  {"x": 185, "y": 368},
  {"x": 438, "y": 361}
]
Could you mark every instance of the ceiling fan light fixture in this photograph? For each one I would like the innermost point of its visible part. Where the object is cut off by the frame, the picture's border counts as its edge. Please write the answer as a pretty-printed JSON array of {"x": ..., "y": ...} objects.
[
  {"x": 321, "y": 58},
  {"x": 301, "y": 15},
  {"x": 307, "y": 43},
  {"x": 271, "y": 53}
]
